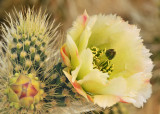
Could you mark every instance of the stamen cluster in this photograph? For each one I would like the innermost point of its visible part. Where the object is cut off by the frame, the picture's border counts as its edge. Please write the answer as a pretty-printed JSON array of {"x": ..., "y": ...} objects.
[{"x": 102, "y": 61}]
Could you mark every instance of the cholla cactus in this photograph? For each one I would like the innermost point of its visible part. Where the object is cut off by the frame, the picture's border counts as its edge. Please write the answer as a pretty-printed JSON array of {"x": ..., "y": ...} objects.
[
  {"x": 31, "y": 79},
  {"x": 23, "y": 55}
]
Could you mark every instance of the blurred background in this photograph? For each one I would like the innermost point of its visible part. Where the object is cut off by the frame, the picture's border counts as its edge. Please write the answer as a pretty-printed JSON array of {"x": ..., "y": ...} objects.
[{"x": 144, "y": 13}]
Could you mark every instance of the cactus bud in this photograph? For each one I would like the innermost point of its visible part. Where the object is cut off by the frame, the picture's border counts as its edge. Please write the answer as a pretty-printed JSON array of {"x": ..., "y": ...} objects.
[{"x": 24, "y": 91}]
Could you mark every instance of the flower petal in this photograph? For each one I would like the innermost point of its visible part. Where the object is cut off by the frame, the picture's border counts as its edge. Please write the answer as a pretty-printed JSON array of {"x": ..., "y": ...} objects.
[
  {"x": 105, "y": 100},
  {"x": 138, "y": 90},
  {"x": 86, "y": 63},
  {"x": 143, "y": 94},
  {"x": 31, "y": 90},
  {"x": 84, "y": 39},
  {"x": 78, "y": 27},
  {"x": 97, "y": 83},
  {"x": 22, "y": 80},
  {"x": 27, "y": 101},
  {"x": 75, "y": 73},
  {"x": 83, "y": 42},
  {"x": 116, "y": 86},
  {"x": 94, "y": 81},
  {"x": 64, "y": 56},
  {"x": 73, "y": 51},
  {"x": 13, "y": 97},
  {"x": 140, "y": 97},
  {"x": 17, "y": 89}
]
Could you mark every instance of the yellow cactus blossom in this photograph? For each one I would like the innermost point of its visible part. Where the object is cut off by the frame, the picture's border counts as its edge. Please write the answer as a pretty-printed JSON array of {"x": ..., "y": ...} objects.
[{"x": 106, "y": 61}]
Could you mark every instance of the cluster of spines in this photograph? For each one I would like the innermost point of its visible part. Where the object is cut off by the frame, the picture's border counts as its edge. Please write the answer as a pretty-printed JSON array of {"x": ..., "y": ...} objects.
[
  {"x": 116, "y": 109},
  {"x": 62, "y": 93},
  {"x": 28, "y": 53},
  {"x": 103, "y": 65}
]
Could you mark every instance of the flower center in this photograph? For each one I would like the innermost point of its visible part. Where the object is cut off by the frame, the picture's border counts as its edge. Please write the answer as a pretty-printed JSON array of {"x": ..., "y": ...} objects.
[{"x": 102, "y": 59}]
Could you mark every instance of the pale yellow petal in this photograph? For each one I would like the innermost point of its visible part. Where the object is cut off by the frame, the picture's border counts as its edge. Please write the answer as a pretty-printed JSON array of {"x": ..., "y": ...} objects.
[
  {"x": 78, "y": 27},
  {"x": 75, "y": 73},
  {"x": 94, "y": 81},
  {"x": 86, "y": 63},
  {"x": 116, "y": 86},
  {"x": 73, "y": 52},
  {"x": 105, "y": 100},
  {"x": 138, "y": 89},
  {"x": 83, "y": 41}
]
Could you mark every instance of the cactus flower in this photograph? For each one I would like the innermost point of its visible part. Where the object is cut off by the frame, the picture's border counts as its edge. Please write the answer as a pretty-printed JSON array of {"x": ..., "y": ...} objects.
[{"x": 106, "y": 61}]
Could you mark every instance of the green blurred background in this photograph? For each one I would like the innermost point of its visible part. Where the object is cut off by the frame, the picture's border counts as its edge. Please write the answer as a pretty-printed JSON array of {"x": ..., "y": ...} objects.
[{"x": 144, "y": 13}]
